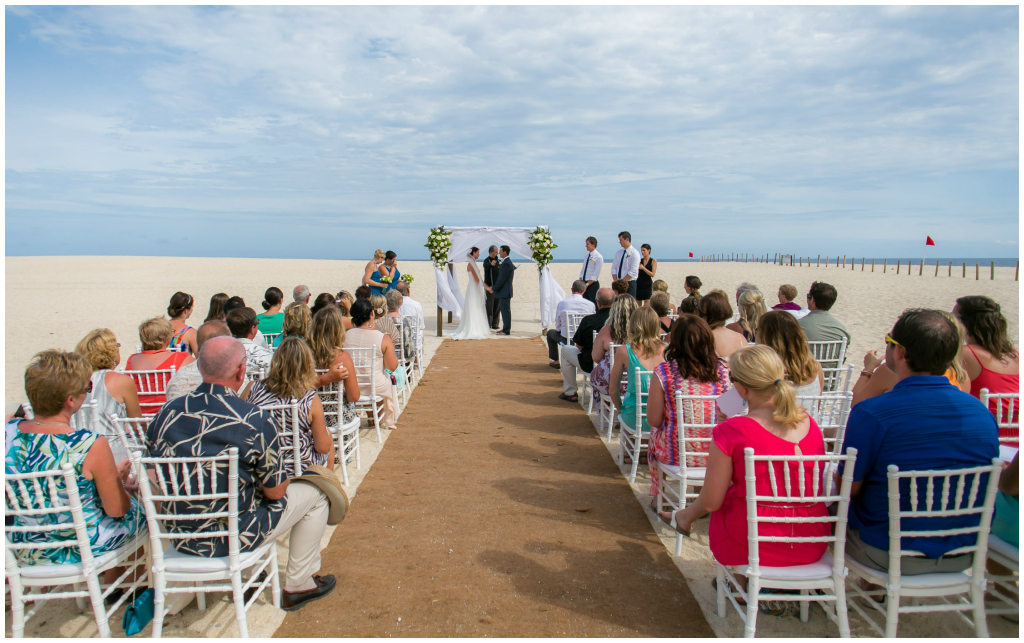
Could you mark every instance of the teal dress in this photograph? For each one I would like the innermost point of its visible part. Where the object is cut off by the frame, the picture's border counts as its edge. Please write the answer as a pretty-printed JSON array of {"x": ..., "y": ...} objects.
[
  {"x": 391, "y": 286},
  {"x": 30, "y": 452},
  {"x": 629, "y": 402},
  {"x": 1006, "y": 520}
]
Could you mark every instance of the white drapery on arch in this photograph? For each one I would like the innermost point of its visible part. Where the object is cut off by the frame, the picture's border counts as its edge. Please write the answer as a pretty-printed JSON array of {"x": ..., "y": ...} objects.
[{"x": 449, "y": 295}]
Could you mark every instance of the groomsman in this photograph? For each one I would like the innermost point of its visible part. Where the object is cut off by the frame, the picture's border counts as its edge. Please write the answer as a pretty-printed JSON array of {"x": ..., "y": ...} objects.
[
  {"x": 591, "y": 271},
  {"x": 627, "y": 262},
  {"x": 491, "y": 265}
]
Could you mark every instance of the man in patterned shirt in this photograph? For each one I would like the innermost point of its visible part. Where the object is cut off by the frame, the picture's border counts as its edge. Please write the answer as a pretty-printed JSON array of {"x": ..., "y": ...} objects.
[{"x": 213, "y": 419}]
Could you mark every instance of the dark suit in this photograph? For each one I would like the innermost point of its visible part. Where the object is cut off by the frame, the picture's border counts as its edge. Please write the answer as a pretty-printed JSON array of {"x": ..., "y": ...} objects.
[
  {"x": 503, "y": 293},
  {"x": 491, "y": 305}
]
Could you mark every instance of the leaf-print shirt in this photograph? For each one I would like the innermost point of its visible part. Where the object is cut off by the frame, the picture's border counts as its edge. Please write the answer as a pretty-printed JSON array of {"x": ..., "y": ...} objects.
[{"x": 208, "y": 422}]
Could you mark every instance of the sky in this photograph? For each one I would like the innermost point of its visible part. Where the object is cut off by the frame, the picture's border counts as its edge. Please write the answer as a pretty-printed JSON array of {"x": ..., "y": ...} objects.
[{"x": 327, "y": 132}]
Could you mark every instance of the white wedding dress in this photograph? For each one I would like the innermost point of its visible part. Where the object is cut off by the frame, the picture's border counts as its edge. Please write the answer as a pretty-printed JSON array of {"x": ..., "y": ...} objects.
[{"x": 473, "y": 324}]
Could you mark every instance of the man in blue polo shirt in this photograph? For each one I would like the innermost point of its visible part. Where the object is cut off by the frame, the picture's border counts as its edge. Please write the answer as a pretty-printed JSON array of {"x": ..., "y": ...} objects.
[{"x": 923, "y": 423}]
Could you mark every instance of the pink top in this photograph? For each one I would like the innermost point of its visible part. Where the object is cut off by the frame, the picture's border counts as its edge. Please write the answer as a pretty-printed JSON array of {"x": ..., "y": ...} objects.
[
  {"x": 728, "y": 530},
  {"x": 997, "y": 383}
]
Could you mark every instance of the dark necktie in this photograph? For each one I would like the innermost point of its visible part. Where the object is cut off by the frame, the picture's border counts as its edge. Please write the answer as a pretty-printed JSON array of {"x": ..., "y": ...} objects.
[
  {"x": 622, "y": 261},
  {"x": 586, "y": 266}
]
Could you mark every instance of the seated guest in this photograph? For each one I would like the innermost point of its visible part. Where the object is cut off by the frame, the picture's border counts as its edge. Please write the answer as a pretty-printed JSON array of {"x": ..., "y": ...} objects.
[
  {"x": 395, "y": 301},
  {"x": 188, "y": 378},
  {"x": 270, "y": 321},
  {"x": 322, "y": 300},
  {"x": 621, "y": 287},
  {"x": 155, "y": 335},
  {"x": 781, "y": 332},
  {"x": 991, "y": 361},
  {"x": 714, "y": 308},
  {"x": 234, "y": 303},
  {"x": 344, "y": 300},
  {"x": 877, "y": 379},
  {"x": 645, "y": 350},
  {"x": 575, "y": 304},
  {"x": 213, "y": 419},
  {"x": 819, "y": 325},
  {"x": 751, "y": 305},
  {"x": 363, "y": 292},
  {"x": 660, "y": 285},
  {"x": 659, "y": 302},
  {"x": 217, "y": 307},
  {"x": 179, "y": 310},
  {"x": 300, "y": 295},
  {"x": 774, "y": 425},
  {"x": 692, "y": 287},
  {"x": 692, "y": 367},
  {"x": 787, "y": 293},
  {"x": 614, "y": 331},
  {"x": 327, "y": 339},
  {"x": 578, "y": 354},
  {"x": 384, "y": 323},
  {"x": 297, "y": 322},
  {"x": 923, "y": 423},
  {"x": 114, "y": 393},
  {"x": 365, "y": 334},
  {"x": 1006, "y": 520},
  {"x": 688, "y": 306},
  {"x": 292, "y": 378},
  {"x": 243, "y": 325},
  {"x": 412, "y": 310},
  {"x": 57, "y": 384}
]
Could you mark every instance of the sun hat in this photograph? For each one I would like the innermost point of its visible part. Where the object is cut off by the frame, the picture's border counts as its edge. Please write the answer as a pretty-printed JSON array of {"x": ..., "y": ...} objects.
[{"x": 325, "y": 480}]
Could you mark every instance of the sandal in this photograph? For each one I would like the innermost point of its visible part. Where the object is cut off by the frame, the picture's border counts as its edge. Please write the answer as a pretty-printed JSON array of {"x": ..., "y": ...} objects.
[
  {"x": 671, "y": 522},
  {"x": 569, "y": 398},
  {"x": 714, "y": 586}
]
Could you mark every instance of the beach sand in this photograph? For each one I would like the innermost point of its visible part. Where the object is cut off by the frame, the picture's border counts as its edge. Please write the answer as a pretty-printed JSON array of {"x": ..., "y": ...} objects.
[{"x": 52, "y": 302}]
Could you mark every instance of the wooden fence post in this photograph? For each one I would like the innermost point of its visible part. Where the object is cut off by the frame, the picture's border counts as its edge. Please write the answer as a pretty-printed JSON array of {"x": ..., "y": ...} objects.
[
  {"x": 965, "y": 270},
  {"x": 872, "y": 265},
  {"x": 862, "y": 264},
  {"x": 897, "y": 266},
  {"x": 1017, "y": 272},
  {"x": 844, "y": 261},
  {"x": 992, "y": 275},
  {"x": 936, "y": 268},
  {"x": 819, "y": 262},
  {"x": 977, "y": 272},
  {"x": 885, "y": 263},
  {"x": 920, "y": 271},
  {"x": 440, "y": 320},
  {"x": 950, "y": 269}
]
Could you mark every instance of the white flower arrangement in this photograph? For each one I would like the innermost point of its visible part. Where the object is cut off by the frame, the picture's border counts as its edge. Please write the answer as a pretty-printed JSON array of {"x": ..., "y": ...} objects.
[
  {"x": 542, "y": 244},
  {"x": 438, "y": 243}
]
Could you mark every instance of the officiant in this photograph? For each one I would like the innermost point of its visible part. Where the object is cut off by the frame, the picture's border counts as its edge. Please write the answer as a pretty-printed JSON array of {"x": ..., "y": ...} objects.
[{"x": 491, "y": 265}]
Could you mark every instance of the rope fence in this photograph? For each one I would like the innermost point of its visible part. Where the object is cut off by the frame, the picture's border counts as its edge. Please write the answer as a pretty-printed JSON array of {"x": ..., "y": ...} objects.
[{"x": 799, "y": 261}]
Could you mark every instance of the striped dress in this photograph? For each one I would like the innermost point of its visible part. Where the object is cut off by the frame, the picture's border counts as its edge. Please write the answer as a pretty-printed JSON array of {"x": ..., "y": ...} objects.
[{"x": 261, "y": 397}]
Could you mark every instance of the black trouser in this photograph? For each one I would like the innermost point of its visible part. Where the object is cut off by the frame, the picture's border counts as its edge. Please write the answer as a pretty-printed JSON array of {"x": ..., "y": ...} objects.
[
  {"x": 491, "y": 306},
  {"x": 632, "y": 288},
  {"x": 590, "y": 294},
  {"x": 554, "y": 339},
  {"x": 505, "y": 304}
]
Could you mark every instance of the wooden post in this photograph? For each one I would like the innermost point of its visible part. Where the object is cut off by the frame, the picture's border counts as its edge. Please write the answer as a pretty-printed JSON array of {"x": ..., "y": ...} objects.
[
  {"x": 992, "y": 275},
  {"x": 885, "y": 263},
  {"x": 853, "y": 263},
  {"x": 1017, "y": 272},
  {"x": 862, "y": 264},
  {"x": 872, "y": 265},
  {"x": 936, "y": 268},
  {"x": 950, "y": 269},
  {"x": 920, "y": 271},
  {"x": 844, "y": 261},
  {"x": 965, "y": 270},
  {"x": 977, "y": 272},
  {"x": 819, "y": 262},
  {"x": 449, "y": 316},
  {"x": 440, "y": 320},
  {"x": 897, "y": 266}
]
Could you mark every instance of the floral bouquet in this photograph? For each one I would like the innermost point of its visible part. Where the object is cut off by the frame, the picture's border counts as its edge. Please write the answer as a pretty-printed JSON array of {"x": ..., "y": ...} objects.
[
  {"x": 438, "y": 243},
  {"x": 542, "y": 244},
  {"x": 384, "y": 279},
  {"x": 407, "y": 279}
]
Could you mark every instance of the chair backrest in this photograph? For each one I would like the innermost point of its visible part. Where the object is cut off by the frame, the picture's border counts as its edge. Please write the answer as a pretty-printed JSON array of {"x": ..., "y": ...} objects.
[
  {"x": 945, "y": 494},
  {"x": 271, "y": 338},
  {"x": 43, "y": 502},
  {"x": 838, "y": 379},
  {"x": 695, "y": 419},
  {"x": 829, "y": 354},
  {"x": 1006, "y": 408},
  {"x": 798, "y": 480},
  {"x": 572, "y": 322},
  {"x": 176, "y": 482},
  {"x": 399, "y": 348},
  {"x": 409, "y": 322},
  {"x": 365, "y": 361},
  {"x": 131, "y": 432},
  {"x": 332, "y": 399},
  {"x": 152, "y": 382},
  {"x": 641, "y": 389},
  {"x": 611, "y": 356},
  {"x": 90, "y": 412},
  {"x": 831, "y": 412},
  {"x": 286, "y": 421}
]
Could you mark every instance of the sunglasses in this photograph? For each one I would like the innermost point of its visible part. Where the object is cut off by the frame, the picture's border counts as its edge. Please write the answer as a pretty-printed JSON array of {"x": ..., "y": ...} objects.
[
  {"x": 88, "y": 389},
  {"x": 736, "y": 381},
  {"x": 890, "y": 340}
]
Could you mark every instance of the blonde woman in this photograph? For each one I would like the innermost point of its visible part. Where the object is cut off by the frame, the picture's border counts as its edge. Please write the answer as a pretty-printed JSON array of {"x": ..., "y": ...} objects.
[
  {"x": 327, "y": 340},
  {"x": 774, "y": 425},
  {"x": 615, "y": 331},
  {"x": 292, "y": 378},
  {"x": 155, "y": 335},
  {"x": 114, "y": 393},
  {"x": 660, "y": 285},
  {"x": 384, "y": 323},
  {"x": 645, "y": 350},
  {"x": 751, "y": 305},
  {"x": 782, "y": 333},
  {"x": 372, "y": 265},
  {"x": 297, "y": 322}
]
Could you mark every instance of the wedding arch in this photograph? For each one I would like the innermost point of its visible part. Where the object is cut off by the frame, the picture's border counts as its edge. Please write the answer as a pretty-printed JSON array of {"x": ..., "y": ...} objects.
[{"x": 449, "y": 245}]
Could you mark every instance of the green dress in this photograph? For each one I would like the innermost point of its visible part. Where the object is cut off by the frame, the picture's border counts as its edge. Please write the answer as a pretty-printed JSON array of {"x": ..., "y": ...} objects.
[
  {"x": 30, "y": 452},
  {"x": 629, "y": 402},
  {"x": 270, "y": 323}
]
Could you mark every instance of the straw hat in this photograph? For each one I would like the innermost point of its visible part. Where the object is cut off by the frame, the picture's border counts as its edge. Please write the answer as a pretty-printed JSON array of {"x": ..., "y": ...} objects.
[{"x": 325, "y": 480}]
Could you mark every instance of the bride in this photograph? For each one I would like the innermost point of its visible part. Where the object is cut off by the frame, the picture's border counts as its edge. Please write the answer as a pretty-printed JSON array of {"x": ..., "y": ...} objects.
[{"x": 473, "y": 324}]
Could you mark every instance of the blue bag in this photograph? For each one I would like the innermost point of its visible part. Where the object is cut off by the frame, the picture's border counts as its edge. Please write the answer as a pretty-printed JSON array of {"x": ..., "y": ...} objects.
[{"x": 139, "y": 613}]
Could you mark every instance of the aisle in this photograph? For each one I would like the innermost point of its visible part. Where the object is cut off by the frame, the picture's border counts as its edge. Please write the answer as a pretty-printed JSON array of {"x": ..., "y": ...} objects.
[{"x": 495, "y": 510}]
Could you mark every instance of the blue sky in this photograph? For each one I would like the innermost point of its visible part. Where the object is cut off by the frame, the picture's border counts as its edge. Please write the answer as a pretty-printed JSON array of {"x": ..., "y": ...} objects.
[{"x": 325, "y": 132}]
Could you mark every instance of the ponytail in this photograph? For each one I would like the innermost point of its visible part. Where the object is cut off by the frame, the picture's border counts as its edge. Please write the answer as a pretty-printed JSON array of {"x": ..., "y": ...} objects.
[
  {"x": 759, "y": 368},
  {"x": 787, "y": 411}
]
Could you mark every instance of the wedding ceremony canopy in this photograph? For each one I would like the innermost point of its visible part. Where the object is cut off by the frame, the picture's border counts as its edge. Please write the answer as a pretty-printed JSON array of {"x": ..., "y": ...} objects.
[{"x": 448, "y": 246}]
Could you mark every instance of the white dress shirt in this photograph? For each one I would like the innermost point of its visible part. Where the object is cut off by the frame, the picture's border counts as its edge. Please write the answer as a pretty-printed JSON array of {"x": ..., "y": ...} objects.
[
  {"x": 629, "y": 259},
  {"x": 592, "y": 265},
  {"x": 573, "y": 304},
  {"x": 413, "y": 310}
]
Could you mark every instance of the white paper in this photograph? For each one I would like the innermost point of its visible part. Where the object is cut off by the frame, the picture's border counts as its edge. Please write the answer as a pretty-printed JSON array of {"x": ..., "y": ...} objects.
[
  {"x": 1007, "y": 453},
  {"x": 731, "y": 404}
]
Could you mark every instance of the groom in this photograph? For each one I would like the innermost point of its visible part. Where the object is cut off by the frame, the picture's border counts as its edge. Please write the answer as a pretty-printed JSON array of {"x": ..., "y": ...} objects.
[{"x": 502, "y": 290}]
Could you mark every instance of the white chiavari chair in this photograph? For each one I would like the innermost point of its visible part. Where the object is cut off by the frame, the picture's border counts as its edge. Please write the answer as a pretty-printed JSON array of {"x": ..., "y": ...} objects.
[
  {"x": 346, "y": 435},
  {"x": 365, "y": 361},
  {"x": 606, "y": 408},
  {"x": 151, "y": 382},
  {"x": 829, "y": 355},
  {"x": 838, "y": 380},
  {"x": 633, "y": 441},
  {"x": 1006, "y": 408}
]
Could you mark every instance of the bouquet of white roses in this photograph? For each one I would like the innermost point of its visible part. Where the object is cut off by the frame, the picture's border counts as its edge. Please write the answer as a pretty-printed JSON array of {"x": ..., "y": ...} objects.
[
  {"x": 407, "y": 279},
  {"x": 542, "y": 244},
  {"x": 438, "y": 243}
]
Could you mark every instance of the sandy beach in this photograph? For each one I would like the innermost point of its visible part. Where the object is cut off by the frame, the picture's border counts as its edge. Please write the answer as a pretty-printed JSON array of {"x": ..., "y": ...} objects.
[{"x": 52, "y": 302}]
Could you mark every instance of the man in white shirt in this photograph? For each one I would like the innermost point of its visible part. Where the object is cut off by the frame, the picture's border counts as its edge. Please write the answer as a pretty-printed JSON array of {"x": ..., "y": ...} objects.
[
  {"x": 238, "y": 302},
  {"x": 574, "y": 303},
  {"x": 591, "y": 271},
  {"x": 301, "y": 294},
  {"x": 627, "y": 262},
  {"x": 412, "y": 310},
  {"x": 187, "y": 378},
  {"x": 243, "y": 324}
]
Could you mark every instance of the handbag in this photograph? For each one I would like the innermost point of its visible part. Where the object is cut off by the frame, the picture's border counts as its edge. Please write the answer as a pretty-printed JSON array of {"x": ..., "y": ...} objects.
[{"x": 139, "y": 613}]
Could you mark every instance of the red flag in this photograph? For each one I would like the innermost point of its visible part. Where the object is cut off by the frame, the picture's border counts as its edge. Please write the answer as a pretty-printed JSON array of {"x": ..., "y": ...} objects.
[
  {"x": 929, "y": 242},
  {"x": 691, "y": 254}
]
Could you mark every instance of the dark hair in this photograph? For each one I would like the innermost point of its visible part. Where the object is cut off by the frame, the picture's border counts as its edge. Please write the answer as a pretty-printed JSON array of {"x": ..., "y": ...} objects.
[
  {"x": 216, "y": 307},
  {"x": 232, "y": 303},
  {"x": 507, "y": 250},
  {"x": 929, "y": 338},
  {"x": 983, "y": 320},
  {"x": 180, "y": 302},
  {"x": 780, "y": 331},
  {"x": 389, "y": 255},
  {"x": 592, "y": 241},
  {"x": 693, "y": 283},
  {"x": 823, "y": 294},
  {"x": 620, "y": 286},
  {"x": 363, "y": 292},
  {"x": 474, "y": 249},
  {"x": 625, "y": 235},
  {"x": 645, "y": 245},
  {"x": 692, "y": 346},
  {"x": 361, "y": 311},
  {"x": 714, "y": 308},
  {"x": 689, "y": 306},
  {"x": 272, "y": 297},
  {"x": 241, "y": 320},
  {"x": 323, "y": 300}
]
